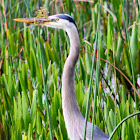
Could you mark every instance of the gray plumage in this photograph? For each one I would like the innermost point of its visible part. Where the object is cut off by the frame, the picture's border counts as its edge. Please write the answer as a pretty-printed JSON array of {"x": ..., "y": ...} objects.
[{"x": 73, "y": 118}]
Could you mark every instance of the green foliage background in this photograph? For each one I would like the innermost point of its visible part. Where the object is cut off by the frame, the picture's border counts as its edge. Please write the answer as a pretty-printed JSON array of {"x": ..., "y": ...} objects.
[{"x": 26, "y": 49}]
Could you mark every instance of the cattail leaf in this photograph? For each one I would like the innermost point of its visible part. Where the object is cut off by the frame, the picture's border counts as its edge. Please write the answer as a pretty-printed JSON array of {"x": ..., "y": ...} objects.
[
  {"x": 94, "y": 20},
  {"x": 32, "y": 63},
  {"x": 106, "y": 111},
  {"x": 20, "y": 122},
  {"x": 55, "y": 50},
  {"x": 23, "y": 86},
  {"x": 82, "y": 71},
  {"x": 11, "y": 43},
  {"x": 111, "y": 121},
  {"x": 15, "y": 112},
  {"x": 38, "y": 124},
  {"x": 101, "y": 126},
  {"x": 53, "y": 115},
  {"x": 134, "y": 44},
  {"x": 123, "y": 96},
  {"x": 25, "y": 105},
  {"x": 120, "y": 17},
  {"x": 5, "y": 84},
  {"x": 43, "y": 134},
  {"x": 138, "y": 62},
  {"x": 6, "y": 62},
  {"x": 127, "y": 61},
  {"x": 131, "y": 134},
  {"x": 118, "y": 119},
  {"x": 126, "y": 109},
  {"x": 41, "y": 114},
  {"x": 26, "y": 48},
  {"x": 34, "y": 108},
  {"x": 30, "y": 132},
  {"x": 102, "y": 53},
  {"x": 110, "y": 103},
  {"x": 123, "y": 135},
  {"x": 97, "y": 117},
  {"x": 24, "y": 74},
  {"x": 56, "y": 38},
  {"x": 79, "y": 94},
  {"x": 11, "y": 87},
  {"x": 62, "y": 125},
  {"x": 109, "y": 35},
  {"x": 84, "y": 104},
  {"x": 49, "y": 53},
  {"x": 30, "y": 40},
  {"x": 56, "y": 101},
  {"x": 43, "y": 54},
  {"x": 6, "y": 96},
  {"x": 30, "y": 88},
  {"x": 88, "y": 60},
  {"x": 119, "y": 49}
]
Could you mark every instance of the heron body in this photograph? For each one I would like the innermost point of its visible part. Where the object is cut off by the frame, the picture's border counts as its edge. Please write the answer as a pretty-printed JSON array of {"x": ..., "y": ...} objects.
[{"x": 74, "y": 120}]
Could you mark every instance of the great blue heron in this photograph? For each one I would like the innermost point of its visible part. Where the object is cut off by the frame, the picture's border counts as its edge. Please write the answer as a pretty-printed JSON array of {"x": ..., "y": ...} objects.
[{"x": 74, "y": 120}]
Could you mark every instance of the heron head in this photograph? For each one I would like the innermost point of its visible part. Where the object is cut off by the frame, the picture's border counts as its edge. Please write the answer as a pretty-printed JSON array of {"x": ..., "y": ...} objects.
[{"x": 60, "y": 21}]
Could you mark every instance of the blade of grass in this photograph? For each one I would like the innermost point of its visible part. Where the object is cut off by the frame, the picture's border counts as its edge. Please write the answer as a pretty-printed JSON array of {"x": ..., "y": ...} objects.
[
  {"x": 90, "y": 84},
  {"x": 134, "y": 114},
  {"x": 97, "y": 71}
]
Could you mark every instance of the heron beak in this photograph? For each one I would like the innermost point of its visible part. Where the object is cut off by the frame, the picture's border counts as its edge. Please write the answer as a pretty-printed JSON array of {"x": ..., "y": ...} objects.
[
  {"x": 26, "y": 20},
  {"x": 40, "y": 20}
]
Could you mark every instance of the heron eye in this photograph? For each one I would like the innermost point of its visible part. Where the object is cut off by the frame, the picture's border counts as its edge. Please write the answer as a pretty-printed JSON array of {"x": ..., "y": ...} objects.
[{"x": 56, "y": 19}]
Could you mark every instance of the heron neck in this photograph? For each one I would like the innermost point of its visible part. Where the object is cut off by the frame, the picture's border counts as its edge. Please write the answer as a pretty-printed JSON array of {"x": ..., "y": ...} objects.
[{"x": 69, "y": 101}]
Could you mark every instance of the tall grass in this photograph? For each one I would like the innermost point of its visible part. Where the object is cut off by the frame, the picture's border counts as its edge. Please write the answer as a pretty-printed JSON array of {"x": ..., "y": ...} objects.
[{"x": 107, "y": 75}]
